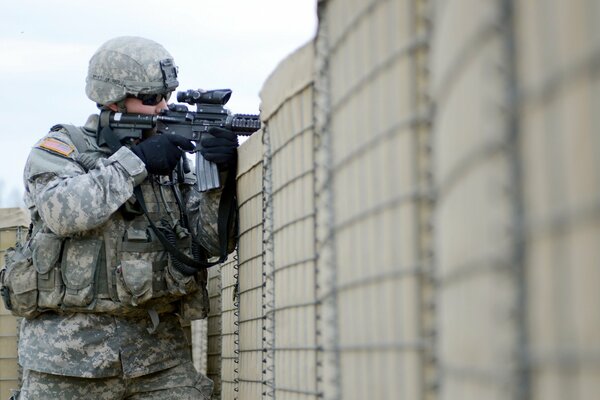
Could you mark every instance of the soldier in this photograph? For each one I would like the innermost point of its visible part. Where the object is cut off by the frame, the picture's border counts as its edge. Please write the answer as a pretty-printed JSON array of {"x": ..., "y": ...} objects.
[{"x": 111, "y": 298}]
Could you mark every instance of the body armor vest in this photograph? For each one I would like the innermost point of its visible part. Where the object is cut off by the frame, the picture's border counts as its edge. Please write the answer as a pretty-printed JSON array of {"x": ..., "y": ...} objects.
[{"x": 120, "y": 268}]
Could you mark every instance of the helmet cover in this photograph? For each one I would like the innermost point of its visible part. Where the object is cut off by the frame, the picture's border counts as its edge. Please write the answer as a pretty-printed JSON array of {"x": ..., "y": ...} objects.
[{"x": 129, "y": 65}]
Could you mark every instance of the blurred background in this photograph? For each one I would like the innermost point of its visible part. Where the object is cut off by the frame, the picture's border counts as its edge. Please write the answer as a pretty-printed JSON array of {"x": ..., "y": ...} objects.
[{"x": 46, "y": 47}]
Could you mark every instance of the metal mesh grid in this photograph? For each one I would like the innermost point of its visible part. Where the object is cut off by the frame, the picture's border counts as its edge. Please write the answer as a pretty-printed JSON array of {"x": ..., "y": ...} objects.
[
  {"x": 229, "y": 328},
  {"x": 293, "y": 312},
  {"x": 251, "y": 316},
  {"x": 479, "y": 260},
  {"x": 214, "y": 331},
  {"x": 558, "y": 43},
  {"x": 294, "y": 253},
  {"x": 328, "y": 371},
  {"x": 380, "y": 183},
  {"x": 268, "y": 271}
]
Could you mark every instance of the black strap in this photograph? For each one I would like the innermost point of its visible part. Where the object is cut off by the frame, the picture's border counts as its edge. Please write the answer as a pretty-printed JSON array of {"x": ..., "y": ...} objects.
[
  {"x": 226, "y": 214},
  {"x": 174, "y": 251},
  {"x": 75, "y": 135},
  {"x": 194, "y": 265}
]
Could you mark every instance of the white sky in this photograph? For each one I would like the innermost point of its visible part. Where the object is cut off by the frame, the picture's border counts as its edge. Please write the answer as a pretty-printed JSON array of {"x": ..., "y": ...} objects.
[{"x": 46, "y": 45}]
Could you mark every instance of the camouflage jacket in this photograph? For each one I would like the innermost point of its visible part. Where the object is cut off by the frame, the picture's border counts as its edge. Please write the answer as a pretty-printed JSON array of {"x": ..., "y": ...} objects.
[{"x": 80, "y": 204}]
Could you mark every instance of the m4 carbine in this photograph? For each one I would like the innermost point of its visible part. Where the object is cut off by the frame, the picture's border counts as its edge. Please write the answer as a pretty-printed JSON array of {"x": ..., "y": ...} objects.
[{"x": 179, "y": 120}]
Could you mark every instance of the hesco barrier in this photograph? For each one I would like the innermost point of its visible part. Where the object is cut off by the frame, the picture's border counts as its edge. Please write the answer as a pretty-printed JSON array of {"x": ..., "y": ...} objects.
[
  {"x": 559, "y": 144},
  {"x": 287, "y": 112},
  {"x": 479, "y": 262},
  {"x": 419, "y": 214},
  {"x": 375, "y": 194},
  {"x": 229, "y": 328},
  {"x": 251, "y": 290},
  {"x": 213, "y": 331},
  {"x": 13, "y": 227},
  {"x": 517, "y": 213}
]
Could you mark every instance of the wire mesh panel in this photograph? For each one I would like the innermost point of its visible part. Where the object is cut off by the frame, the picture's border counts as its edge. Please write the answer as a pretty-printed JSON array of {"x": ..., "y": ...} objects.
[
  {"x": 328, "y": 370},
  {"x": 268, "y": 271},
  {"x": 394, "y": 252},
  {"x": 377, "y": 140},
  {"x": 214, "y": 330},
  {"x": 559, "y": 47},
  {"x": 250, "y": 203},
  {"x": 479, "y": 258},
  {"x": 287, "y": 112},
  {"x": 9, "y": 378},
  {"x": 229, "y": 329}
]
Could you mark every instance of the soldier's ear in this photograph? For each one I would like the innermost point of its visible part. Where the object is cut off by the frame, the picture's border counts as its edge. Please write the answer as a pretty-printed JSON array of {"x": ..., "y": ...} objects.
[{"x": 112, "y": 107}]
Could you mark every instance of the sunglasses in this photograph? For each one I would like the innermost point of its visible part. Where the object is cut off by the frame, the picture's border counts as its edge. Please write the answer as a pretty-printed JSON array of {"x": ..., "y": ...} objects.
[{"x": 152, "y": 99}]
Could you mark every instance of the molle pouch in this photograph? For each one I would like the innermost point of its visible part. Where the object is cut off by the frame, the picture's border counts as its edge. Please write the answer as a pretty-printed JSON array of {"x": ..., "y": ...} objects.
[
  {"x": 18, "y": 282},
  {"x": 195, "y": 305},
  {"x": 135, "y": 275},
  {"x": 79, "y": 265},
  {"x": 177, "y": 283},
  {"x": 134, "y": 281},
  {"x": 46, "y": 254}
]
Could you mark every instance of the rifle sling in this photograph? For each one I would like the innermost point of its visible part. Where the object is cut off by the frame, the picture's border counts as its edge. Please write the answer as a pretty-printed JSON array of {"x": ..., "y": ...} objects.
[
  {"x": 114, "y": 143},
  {"x": 224, "y": 218},
  {"x": 174, "y": 251}
]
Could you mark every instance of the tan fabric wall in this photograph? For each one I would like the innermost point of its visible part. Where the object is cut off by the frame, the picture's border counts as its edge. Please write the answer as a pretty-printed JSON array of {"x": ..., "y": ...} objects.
[
  {"x": 222, "y": 329},
  {"x": 250, "y": 251},
  {"x": 235, "y": 326},
  {"x": 287, "y": 112},
  {"x": 229, "y": 329},
  {"x": 214, "y": 331},
  {"x": 379, "y": 180},
  {"x": 558, "y": 46},
  {"x": 478, "y": 261},
  {"x": 419, "y": 215}
]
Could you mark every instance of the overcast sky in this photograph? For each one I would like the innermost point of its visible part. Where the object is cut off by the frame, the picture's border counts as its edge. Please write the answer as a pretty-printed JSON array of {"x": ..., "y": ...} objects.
[{"x": 46, "y": 45}]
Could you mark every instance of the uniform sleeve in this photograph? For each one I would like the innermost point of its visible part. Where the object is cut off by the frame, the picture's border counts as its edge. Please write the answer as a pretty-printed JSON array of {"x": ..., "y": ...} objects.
[
  {"x": 203, "y": 213},
  {"x": 69, "y": 199}
]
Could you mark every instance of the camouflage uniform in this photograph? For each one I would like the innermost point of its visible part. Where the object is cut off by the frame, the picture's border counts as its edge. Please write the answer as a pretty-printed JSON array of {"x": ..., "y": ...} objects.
[
  {"x": 108, "y": 300},
  {"x": 70, "y": 202},
  {"x": 182, "y": 383}
]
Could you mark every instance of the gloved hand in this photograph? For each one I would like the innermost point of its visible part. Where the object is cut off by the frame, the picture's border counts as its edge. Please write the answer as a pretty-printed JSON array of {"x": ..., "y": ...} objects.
[
  {"x": 161, "y": 153},
  {"x": 219, "y": 145}
]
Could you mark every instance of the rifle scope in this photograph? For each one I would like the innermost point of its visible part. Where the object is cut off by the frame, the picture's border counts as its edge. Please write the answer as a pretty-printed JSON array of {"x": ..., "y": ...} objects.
[{"x": 217, "y": 96}]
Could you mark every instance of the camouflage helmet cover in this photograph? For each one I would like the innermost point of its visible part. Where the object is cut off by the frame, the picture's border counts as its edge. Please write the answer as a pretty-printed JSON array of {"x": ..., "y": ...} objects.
[{"x": 129, "y": 65}]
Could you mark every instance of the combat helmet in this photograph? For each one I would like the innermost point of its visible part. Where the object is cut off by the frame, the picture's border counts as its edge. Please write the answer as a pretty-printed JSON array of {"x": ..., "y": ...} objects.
[{"x": 129, "y": 65}]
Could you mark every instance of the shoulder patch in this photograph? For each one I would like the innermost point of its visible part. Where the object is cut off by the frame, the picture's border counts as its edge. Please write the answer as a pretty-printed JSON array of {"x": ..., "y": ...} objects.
[{"x": 56, "y": 146}]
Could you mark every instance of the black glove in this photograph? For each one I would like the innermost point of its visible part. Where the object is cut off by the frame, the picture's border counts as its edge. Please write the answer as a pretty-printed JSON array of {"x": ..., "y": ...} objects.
[
  {"x": 219, "y": 145},
  {"x": 161, "y": 153}
]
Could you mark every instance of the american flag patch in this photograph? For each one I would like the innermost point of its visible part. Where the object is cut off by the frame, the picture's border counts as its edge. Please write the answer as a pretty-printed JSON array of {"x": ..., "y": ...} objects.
[{"x": 56, "y": 146}]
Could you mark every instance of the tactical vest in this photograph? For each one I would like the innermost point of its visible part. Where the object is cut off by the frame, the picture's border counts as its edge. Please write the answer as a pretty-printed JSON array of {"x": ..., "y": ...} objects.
[{"x": 120, "y": 268}]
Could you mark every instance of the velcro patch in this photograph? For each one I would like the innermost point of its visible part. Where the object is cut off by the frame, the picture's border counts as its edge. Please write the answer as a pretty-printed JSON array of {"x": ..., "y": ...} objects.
[{"x": 56, "y": 146}]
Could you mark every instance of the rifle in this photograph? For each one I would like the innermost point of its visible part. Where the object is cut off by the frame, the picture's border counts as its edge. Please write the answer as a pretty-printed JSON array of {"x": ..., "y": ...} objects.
[{"x": 179, "y": 120}]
